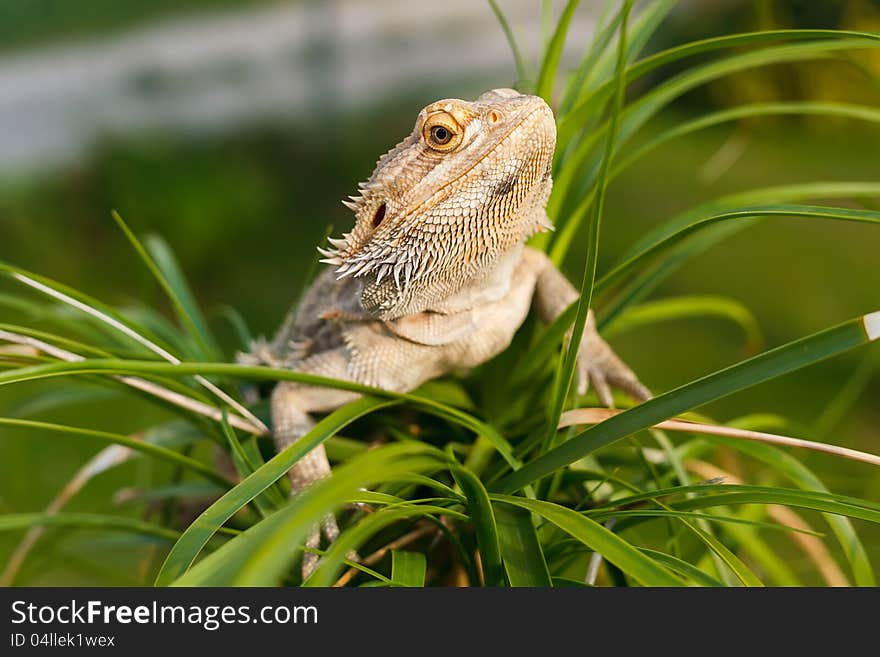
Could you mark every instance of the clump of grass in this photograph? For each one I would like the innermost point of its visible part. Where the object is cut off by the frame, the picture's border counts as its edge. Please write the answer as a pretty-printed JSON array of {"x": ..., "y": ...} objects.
[{"x": 492, "y": 483}]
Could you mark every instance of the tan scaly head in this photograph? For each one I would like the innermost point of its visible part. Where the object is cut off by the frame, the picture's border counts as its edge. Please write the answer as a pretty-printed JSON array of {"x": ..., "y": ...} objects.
[{"x": 447, "y": 202}]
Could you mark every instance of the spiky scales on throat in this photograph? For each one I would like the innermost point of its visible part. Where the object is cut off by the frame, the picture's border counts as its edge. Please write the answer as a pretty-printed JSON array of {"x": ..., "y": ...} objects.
[{"x": 445, "y": 204}]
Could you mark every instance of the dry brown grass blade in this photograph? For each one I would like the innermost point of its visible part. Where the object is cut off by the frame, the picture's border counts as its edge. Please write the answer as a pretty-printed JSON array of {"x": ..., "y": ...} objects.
[
  {"x": 103, "y": 460},
  {"x": 597, "y": 415},
  {"x": 811, "y": 545},
  {"x": 376, "y": 556},
  {"x": 107, "y": 457},
  {"x": 140, "y": 339},
  {"x": 149, "y": 387}
]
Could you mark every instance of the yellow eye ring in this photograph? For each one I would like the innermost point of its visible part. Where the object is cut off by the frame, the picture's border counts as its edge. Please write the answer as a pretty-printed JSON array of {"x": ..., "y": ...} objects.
[{"x": 441, "y": 133}]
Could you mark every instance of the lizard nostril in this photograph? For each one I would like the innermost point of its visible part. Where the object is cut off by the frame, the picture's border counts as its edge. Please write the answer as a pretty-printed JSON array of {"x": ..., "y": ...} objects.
[{"x": 379, "y": 216}]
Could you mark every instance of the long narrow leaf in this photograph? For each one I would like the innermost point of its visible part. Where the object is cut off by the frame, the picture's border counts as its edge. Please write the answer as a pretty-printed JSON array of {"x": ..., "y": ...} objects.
[
  {"x": 480, "y": 509},
  {"x": 688, "y": 307},
  {"x": 800, "y": 211},
  {"x": 196, "y": 536},
  {"x": 523, "y": 557},
  {"x": 550, "y": 63},
  {"x": 261, "y": 555},
  {"x": 191, "y": 321},
  {"x": 653, "y": 276},
  {"x": 596, "y": 537},
  {"x": 407, "y": 568},
  {"x": 565, "y": 373},
  {"x": 258, "y": 373},
  {"x": 20, "y": 521},
  {"x": 522, "y": 66},
  {"x": 170, "y": 269},
  {"x": 764, "y": 367},
  {"x": 149, "y": 449}
]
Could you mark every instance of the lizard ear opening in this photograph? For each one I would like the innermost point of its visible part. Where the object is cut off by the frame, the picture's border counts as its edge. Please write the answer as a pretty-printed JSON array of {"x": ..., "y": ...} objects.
[{"x": 379, "y": 215}]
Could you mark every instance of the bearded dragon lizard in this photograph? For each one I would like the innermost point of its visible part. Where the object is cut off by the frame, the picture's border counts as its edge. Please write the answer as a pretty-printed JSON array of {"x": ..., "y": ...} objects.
[{"x": 435, "y": 275}]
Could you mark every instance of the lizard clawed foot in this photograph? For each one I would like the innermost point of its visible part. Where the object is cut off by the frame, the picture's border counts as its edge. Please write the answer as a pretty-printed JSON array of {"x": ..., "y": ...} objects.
[
  {"x": 598, "y": 364},
  {"x": 310, "y": 469},
  {"x": 290, "y": 404},
  {"x": 329, "y": 527}
]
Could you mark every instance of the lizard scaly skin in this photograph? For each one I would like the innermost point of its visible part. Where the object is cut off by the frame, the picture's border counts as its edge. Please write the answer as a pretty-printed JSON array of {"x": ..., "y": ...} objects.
[{"x": 435, "y": 275}]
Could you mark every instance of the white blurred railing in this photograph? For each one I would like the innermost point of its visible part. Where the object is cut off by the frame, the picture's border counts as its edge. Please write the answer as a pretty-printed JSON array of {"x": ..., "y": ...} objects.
[{"x": 280, "y": 62}]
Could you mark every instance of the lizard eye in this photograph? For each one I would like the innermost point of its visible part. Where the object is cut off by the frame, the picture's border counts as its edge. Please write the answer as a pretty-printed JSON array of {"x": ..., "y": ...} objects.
[{"x": 441, "y": 133}]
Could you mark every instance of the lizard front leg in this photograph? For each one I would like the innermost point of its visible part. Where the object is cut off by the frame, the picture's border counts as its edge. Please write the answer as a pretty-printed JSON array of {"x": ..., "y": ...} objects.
[
  {"x": 291, "y": 404},
  {"x": 597, "y": 363}
]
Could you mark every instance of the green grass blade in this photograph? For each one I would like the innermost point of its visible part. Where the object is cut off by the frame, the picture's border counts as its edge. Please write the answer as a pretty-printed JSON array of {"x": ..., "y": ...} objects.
[
  {"x": 111, "y": 320},
  {"x": 45, "y": 401},
  {"x": 550, "y": 61},
  {"x": 803, "y": 477},
  {"x": 523, "y": 70},
  {"x": 266, "y": 502},
  {"x": 689, "y": 307},
  {"x": 682, "y": 567},
  {"x": 652, "y": 276},
  {"x": 847, "y": 396},
  {"x": 241, "y": 460},
  {"x": 77, "y": 347},
  {"x": 565, "y": 373},
  {"x": 255, "y": 460},
  {"x": 22, "y": 521},
  {"x": 644, "y": 25},
  {"x": 839, "y": 504},
  {"x": 748, "y": 493},
  {"x": 408, "y": 568},
  {"x": 799, "y": 193},
  {"x": 763, "y": 367},
  {"x": 180, "y": 294},
  {"x": 239, "y": 325},
  {"x": 483, "y": 518},
  {"x": 521, "y": 551},
  {"x": 587, "y": 106},
  {"x": 800, "y": 211},
  {"x": 649, "y": 514},
  {"x": 353, "y": 537},
  {"x": 639, "y": 112},
  {"x": 599, "y": 539},
  {"x": 189, "y": 323},
  {"x": 121, "y": 325},
  {"x": 156, "y": 451},
  {"x": 262, "y": 554},
  {"x": 754, "y": 110},
  {"x": 598, "y": 63},
  {"x": 196, "y": 536},
  {"x": 259, "y": 373},
  {"x": 765, "y": 558},
  {"x": 578, "y": 80},
  {"x": 736, "y": 565}
]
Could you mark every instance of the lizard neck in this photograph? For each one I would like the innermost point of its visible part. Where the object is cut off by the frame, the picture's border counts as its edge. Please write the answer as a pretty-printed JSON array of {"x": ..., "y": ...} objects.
[{"x": 492, "y": 285}]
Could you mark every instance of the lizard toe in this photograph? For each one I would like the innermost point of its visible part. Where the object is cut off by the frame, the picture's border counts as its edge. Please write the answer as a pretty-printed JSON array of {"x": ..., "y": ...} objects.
[{"x": 603, "y": 390}]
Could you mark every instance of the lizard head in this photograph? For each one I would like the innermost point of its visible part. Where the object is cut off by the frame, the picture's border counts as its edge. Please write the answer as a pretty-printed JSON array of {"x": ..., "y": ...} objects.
[{"x": 444, "y": 205}]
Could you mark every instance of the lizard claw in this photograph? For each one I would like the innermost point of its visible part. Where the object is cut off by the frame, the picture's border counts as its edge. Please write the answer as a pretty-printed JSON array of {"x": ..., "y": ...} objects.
[
  {"x": 599, "y": 365},
  {"x": 330, "y": 529},
  {"x": 600, "y": 383}
]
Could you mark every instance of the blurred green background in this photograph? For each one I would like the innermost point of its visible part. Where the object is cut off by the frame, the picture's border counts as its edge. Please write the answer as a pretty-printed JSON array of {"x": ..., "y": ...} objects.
[{"x": 233, "y": 129}]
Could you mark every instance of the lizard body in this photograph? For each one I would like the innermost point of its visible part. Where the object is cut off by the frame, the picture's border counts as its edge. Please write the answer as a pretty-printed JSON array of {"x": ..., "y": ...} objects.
[{"x": 435, "y": 276}]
